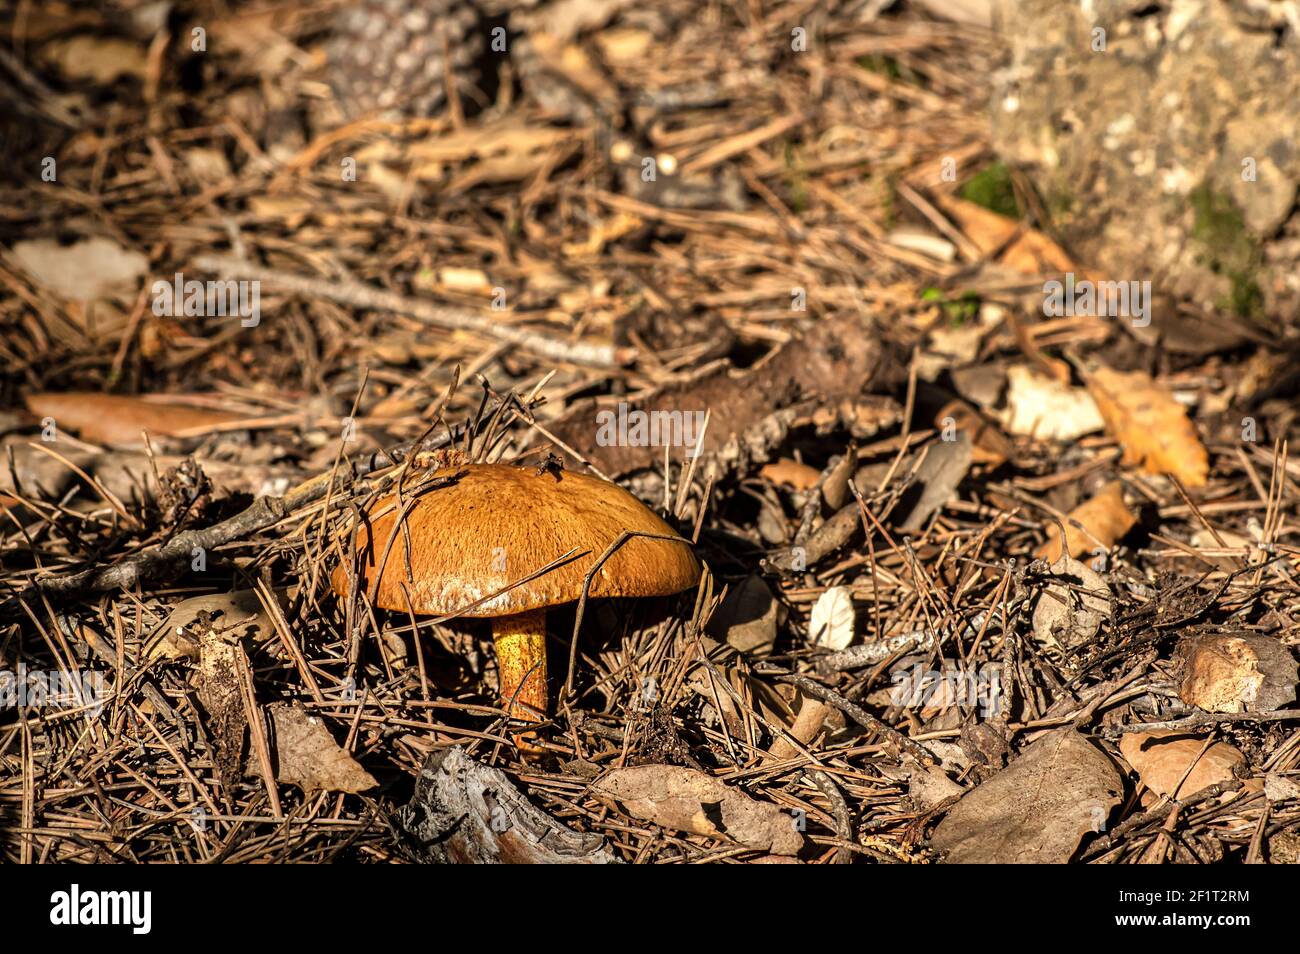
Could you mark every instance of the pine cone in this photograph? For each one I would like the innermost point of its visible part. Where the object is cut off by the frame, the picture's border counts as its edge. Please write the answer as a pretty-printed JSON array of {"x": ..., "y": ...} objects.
[{"x": 391, "y": 55}]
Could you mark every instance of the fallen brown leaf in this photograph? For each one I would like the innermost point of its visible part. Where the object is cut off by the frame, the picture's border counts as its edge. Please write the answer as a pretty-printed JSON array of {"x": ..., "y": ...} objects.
[
  {"x": 748, "y": 618},
  {"x": 944, "y": 468},
  {"x": 790, "y": 473},
  {"x": 988, "y": 444},
  {"x": 1104, "y": 518},
  {"x": 1030, "y": 252},
  {"x": 1152, "y": 426},
  {"x": 684, "y": 799},
  {"x": 1037, "y": 809},
  {"x": 118, "y": 421},
  {"x": 305, "y": 754},
  {"x": 1161, "y": 759}
]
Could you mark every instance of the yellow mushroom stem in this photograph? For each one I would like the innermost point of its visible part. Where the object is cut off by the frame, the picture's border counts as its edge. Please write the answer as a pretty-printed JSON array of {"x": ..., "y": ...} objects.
[{"x": 521, "y": 663}]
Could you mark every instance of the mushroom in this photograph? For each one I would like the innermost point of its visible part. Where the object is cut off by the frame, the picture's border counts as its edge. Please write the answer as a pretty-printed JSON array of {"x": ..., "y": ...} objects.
[{"x": 495, "y": 525}]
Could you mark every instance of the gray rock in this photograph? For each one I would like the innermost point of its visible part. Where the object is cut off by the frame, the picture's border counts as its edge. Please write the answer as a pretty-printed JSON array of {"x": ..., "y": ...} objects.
[{"x": 1144, "y": 152}]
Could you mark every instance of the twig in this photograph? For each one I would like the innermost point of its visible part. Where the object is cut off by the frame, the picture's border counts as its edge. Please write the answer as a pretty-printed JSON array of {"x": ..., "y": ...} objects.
[
  {"x": 156, "y": 562},
  {"x": 1202, "y": 719},
  {"x": 855, "y": 712},
  {"x": 360, "y": 295}
]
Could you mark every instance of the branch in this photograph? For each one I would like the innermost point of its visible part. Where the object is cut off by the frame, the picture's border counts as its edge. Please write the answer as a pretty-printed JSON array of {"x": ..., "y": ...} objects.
[{"x": 360, "y": 295}]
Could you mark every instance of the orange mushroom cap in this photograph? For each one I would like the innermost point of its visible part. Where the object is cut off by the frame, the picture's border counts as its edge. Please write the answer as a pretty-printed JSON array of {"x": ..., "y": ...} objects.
[{"x": 496, "y": 524}]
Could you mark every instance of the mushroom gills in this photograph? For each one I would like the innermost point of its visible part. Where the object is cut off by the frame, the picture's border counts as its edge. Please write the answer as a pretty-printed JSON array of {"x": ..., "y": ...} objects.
[{"x": 520, "y": 641}]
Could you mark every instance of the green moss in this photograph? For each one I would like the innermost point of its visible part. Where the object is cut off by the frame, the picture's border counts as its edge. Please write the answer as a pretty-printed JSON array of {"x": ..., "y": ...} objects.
[
  {"x": 1060, "y": 203},
  {"x": 965, "y": 307},
  {"x": 1229, "y": 249},
  {"x": 880, "y": 63},
  {"x": 991, "y": 188}
]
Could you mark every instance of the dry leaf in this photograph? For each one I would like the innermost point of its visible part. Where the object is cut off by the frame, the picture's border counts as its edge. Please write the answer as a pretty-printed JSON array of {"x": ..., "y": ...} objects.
[
  {"x": 1070, "y": 609},
  {"x": 1243, "y": 673},
  {"x": 1104, "y": 517},
  {"x": 1161, "y": 759},
  {"x": 116, "y": 420},
  {"x": 812, "y": 716},
  {"x": 748, "y": 617},
  {"x": 988, "y": 444},
  {"x": 238, "y": 614},
  {"x": 720, "y": 704},
  {"x": 101, "y": 59},
  {"x": 927, "y": 785},
  {"x": 831, "y": 623},
  {"x": 1042, "y": 408},
  {"x": 1030, "y": 252},
  {"x": 305, "y": 754},
  {"x": 945, "y": 466},
  {"x": 39, "y": 474},
  {"x": 1280, "y": 788},
  {"x": 1152, "y": 426},
  {"x": 87, "y": 270},
  {"x": 684, "y": 799},
  {"x": 1037, "y": 809},
  {"x": 790, "y": 473}
]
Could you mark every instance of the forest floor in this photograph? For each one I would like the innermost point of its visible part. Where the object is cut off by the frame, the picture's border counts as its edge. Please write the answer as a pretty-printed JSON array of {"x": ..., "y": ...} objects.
[{"x": 981, "y": 583}]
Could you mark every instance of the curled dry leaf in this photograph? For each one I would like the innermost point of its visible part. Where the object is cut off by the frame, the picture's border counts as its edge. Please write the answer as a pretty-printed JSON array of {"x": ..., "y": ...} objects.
[
  {"x": 236, "y": 614},
  {"x": 1038, "y": 809},
  {"x": 1104, "y": 519},
  {"x": 1152, "y": 426},
  {"x": 835, "y": 488},
  {"x": 928, "y": 785},
  {"x": 684, "y": 799},
  {"x": 831, "y": 623},
  {"x": 1162, "y": 759},
  {"x": 305, "y": 754},
  {"x": 1221, "y": 672},
  {"x": 812, "y": 716},
  {"x": 116, "y": 420}
]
